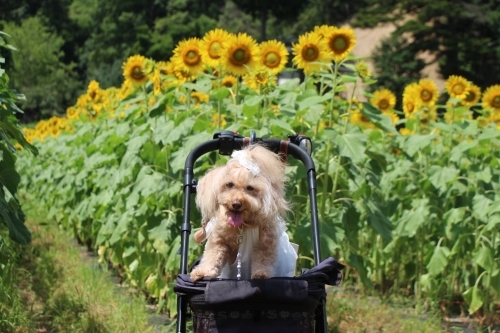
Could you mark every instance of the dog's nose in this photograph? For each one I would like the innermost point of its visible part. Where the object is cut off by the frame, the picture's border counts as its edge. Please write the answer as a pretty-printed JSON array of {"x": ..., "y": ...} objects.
[{"x": 236, "y": 204}]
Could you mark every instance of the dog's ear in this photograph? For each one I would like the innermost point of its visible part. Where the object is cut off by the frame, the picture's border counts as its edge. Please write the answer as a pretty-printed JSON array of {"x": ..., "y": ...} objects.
[{"x": 207, "y": 192}]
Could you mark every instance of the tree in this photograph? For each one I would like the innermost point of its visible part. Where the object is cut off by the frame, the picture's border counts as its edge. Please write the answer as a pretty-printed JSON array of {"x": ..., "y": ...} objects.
[
  {"x": 463, "y": 37},
  {"x": 48, "y": 83},
  {"x": 282, "y": 10},
  {"x": 396, "y": 66}
]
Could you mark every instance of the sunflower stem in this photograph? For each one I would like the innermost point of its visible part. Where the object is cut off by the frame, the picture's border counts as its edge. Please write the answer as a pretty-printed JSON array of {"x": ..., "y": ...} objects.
[
  {"x": 218, "y": 115},
  {"x": 326, "y": 176}
]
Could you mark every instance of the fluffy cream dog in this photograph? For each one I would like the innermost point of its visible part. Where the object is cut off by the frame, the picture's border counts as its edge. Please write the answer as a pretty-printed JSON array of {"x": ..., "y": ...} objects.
[{"x": 243, "y": 198}]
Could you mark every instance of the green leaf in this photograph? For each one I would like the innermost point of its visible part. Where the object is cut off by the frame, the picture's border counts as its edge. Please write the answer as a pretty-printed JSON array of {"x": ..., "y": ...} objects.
[
  {"x": 380, "y": 120},
  {"x": 378, "y": 220},
  {"x": 14, "y": 220},
  {"x": 438, "y": 261},
  {"x": 352, "y": 145},
  {"x": 484, "y": 258},
  {"x": 474, "y": 297},
  {"x": 417, "y": 142},
  {"x": 411, "y": 221},
  {"x": 441, "y": 176},
  {"x": 10, "y": 179},
  {"x": 282, "y": 124},
  {"x": 253, "y": 100},
  {"x": 220, "y": 93}
]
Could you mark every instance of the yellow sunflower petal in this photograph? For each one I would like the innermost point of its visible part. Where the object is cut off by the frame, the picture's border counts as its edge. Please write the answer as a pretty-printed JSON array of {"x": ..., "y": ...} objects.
[
  {"x": 384, "y": 100},
  {"x": 340, "y": 41},
  {"x": 473, "y": 96},
  {"x": 310, "y": 50},
  {"x": 457, "y": 86},
  {"x": 427, "y": 92},
  {"x": 240, "y": 51},
  {"x": 491, "y": 98},
  {"x": 187, "y": 56},
  {"x": 274, "y": 55},
  {"x": 212, "y": 46},
  {"x": 133, "y": 70}
]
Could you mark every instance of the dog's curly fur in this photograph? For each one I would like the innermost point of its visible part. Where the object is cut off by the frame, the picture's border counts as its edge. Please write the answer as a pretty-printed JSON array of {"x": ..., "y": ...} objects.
[{"x": 258, "y": 198}]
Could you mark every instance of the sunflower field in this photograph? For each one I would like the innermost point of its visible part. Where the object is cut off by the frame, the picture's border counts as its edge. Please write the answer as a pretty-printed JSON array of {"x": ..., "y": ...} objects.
[{"x": 408, "y": 199}]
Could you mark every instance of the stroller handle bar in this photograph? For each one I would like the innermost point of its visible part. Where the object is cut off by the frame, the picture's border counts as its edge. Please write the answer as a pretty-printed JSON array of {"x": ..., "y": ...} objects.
[{"x": 226, "y": 142}]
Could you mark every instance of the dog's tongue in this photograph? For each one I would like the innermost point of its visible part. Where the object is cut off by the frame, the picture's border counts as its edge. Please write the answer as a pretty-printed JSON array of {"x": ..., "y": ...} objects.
[{"x": 235, "y": 219}]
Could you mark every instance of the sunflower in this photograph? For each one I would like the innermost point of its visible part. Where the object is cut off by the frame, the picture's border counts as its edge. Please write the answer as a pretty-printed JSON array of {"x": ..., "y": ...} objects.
[
  {"x": 157, "y": 82},
  {"x": 212, "y": 45},
  {"x": 427, "y": 92},
  {"x": 359, "y": 119},
  {"x": 93, "y": 90},
  {"x": 199, "y": 97},
  {"x": 427, "y": 114},
  {"x": 384, "y": 100},
  {"x": 363, "y": 70},
  {"x": 223, "y": 121},
  {"x": 134, "y": 71},
  {"x": 239, "y": 51},
  {"x": 260, "y": 80},
  {"x": 181, "y": 75},
  {"x": 482, "y": 121},
  {"x": 405, "y": 131},
  {"x": 310, "y": 49},
  {"x": 457, "y": 86},
  {"x": 229, "y": 81},
  {"x": 323, "y": 30},
  {"x": 340, "y": 41},
  {"x": 162, "y": 66},
  {"x": 187, "y": 57},
  {"x": 54, "y": 132},
  {"x": 491, "y": 98},
  {"x": 274, "y": 55},
  {"x": 473, "y": 96}
]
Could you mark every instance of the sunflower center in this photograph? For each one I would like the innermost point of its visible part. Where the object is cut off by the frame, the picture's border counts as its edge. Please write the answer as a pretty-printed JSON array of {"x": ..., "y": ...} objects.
[
  {"x": 272, "y": 59},
  {"x": 410, "y": 107},
  {"x": 240, "y": 56},
  {"x": 426, "y": 95},
  {"x": 458, "y": 89},
  {"x": 137, "y": 73},
  {"x": 339, "y": 44},
  {"x": 310, "y": 52},
  {"x": 383, "y": 104},
  {"x": 470, "y": 96},
  {"x": 364, "y": 119},
  {"x": 192, "y": 58},
  {"x": 496, "y": 102},
  {"x": 214, "y": 50},
  {"x": 227, "y": 84},
  {"x": 261, "y": 77}
]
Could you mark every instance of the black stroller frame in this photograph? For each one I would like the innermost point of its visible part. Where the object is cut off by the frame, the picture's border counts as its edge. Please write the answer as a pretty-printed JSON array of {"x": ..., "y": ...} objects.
[{"x": 226, "y": 142}]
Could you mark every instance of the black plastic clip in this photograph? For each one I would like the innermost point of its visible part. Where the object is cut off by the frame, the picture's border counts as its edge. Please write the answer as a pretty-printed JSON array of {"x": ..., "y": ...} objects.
[{"x": 226, "y": 141}]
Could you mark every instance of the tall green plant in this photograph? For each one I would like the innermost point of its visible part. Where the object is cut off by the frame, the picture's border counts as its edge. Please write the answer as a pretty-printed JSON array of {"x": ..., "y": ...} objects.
[{"x": 11, "y": 214}]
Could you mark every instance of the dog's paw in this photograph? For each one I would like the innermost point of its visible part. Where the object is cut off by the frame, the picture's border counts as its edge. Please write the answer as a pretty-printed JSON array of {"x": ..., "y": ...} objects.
[
  {"x": 261, "y": 274},
  {"x": 197, "y": 274}
]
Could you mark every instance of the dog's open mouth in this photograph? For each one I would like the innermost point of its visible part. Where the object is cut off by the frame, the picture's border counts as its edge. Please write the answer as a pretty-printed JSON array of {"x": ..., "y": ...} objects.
[{"x": 235, "y": 218}]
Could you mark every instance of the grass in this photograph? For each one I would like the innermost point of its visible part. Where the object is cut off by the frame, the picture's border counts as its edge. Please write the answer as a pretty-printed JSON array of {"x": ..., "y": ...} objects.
[
  {"x": 51, "y": 287},
  {"x": 348, "y": 312}
]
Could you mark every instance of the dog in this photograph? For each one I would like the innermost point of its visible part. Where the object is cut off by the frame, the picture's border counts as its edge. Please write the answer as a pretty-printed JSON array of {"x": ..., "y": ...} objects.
[{"x": 244, "y": 204}]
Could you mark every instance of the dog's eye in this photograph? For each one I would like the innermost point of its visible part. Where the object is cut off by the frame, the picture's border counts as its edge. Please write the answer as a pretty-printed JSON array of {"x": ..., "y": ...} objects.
[
  {"x": 250, "y": 188},
  {"x": 230, "y": 185}
]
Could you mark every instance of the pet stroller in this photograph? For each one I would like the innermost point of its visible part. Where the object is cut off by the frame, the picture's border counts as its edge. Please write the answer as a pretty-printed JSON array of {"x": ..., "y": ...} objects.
[{"x": 278, "y": 304}]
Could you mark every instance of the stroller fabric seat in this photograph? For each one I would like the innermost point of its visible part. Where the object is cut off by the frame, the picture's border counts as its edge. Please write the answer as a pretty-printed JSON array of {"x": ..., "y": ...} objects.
[{"x": 278, "y": 304}]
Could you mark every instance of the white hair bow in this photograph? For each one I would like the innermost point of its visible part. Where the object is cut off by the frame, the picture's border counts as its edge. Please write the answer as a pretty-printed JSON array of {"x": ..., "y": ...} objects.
[{"x": 241, "y": 157}]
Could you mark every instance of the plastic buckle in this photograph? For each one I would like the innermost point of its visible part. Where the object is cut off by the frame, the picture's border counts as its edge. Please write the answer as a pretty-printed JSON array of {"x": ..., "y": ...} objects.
[{"x": 226, "y": 139}]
